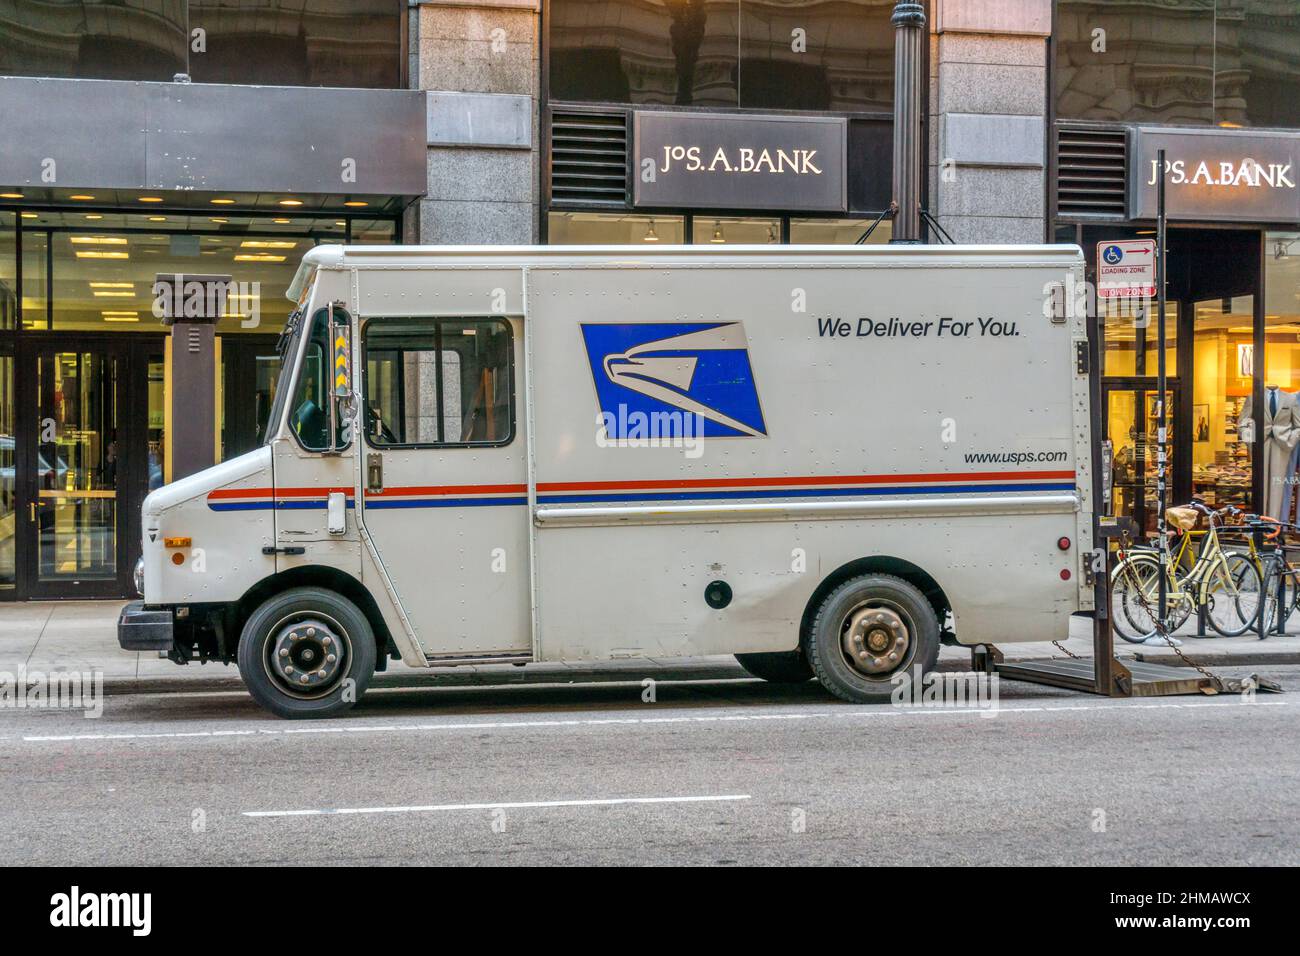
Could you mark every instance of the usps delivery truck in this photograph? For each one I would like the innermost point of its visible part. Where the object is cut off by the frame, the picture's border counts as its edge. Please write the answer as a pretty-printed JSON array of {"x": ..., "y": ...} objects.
[{"x": 824, "y": 460}]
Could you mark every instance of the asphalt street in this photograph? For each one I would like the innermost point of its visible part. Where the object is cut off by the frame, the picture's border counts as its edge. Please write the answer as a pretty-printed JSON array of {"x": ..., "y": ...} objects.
[{"x": 716, "y": 772}]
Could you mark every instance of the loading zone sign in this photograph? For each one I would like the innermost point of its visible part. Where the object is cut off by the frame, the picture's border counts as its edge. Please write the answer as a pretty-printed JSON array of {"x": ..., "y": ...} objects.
[{"x": 1126, "y": 269}]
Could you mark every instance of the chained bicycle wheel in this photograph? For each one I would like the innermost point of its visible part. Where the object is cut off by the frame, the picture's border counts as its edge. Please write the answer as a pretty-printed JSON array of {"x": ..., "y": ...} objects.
[
  {"x": 1271, "y": 571},
  {"x": 1234, "y": 597},
  {"x": 1134, "y": 596}
]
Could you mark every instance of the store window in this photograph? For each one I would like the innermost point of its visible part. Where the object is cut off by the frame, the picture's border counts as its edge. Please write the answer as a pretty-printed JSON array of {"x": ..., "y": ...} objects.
[
  {"x": 599, "y": 229},
  {"x": 8, "y": 475},
  {"x": 590, "y": 228},
  {"x": 104, "y": 265},
  {"x": 835, "y": 232},
  {"x": 1129, "y": 334},
  {"x": 1199, "y": 62},
  {"x": 1222, "y": 377},
  {"x": 9, "y": 291},
  {"x": 1282, "y": 348},
  {"x": 796, "y": 54},
  {"x": 736, "y": 231},
  {"x": 35, "y": 283}
]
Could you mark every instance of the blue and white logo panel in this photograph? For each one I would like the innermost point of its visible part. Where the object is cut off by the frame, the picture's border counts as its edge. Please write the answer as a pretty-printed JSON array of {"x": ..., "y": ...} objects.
[{"x": 646, "y": 370}]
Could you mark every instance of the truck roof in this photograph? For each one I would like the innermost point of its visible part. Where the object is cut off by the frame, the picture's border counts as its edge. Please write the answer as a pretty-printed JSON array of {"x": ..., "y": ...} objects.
[{"x": 332, "y": 256}]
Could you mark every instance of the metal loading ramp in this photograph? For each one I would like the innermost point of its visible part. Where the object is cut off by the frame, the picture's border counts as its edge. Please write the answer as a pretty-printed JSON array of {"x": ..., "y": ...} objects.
[
  {"x": 1117, "y": 678},
  {"x": 1140, "y": 680}
]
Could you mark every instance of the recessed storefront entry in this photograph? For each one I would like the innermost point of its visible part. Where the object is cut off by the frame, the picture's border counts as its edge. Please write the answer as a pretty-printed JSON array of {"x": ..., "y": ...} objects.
[{"x": 87, "y": 453}]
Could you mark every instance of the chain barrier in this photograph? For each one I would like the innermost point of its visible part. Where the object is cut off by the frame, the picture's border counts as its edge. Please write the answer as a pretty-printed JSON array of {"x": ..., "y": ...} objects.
[{"x": 1162, "y": 629}]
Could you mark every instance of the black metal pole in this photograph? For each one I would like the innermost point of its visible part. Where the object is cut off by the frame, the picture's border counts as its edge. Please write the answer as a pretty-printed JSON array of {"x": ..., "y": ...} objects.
[
  {"x": 1162, "y": 457},
  {"x": 909, "y": 102}
]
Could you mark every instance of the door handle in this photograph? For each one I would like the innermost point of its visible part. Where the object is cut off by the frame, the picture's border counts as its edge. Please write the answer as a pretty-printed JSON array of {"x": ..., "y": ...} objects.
[
  {"x": 374, "y": 472},
  {"x": 31, "y": 509}
]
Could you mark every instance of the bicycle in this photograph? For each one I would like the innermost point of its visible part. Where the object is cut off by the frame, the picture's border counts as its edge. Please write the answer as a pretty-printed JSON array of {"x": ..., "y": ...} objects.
[
  {"x": 1228, "y": 588},
  {"x": 1277, "y": 573}
]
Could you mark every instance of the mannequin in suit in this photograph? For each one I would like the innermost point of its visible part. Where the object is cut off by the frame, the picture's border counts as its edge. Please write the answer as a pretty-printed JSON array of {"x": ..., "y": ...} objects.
[{"x": 1281, "y": 435}]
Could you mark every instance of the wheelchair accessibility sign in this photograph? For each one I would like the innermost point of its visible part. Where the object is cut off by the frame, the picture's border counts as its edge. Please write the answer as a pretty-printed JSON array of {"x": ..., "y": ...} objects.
[{"x": 1126, "y": 269}]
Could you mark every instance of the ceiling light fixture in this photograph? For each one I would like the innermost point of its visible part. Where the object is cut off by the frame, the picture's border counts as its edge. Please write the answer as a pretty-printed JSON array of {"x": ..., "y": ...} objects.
[
  {"x": 290, "y": 202},
  {"x": 259, "y": 257},
  {"x": 222, "y": 202},
  {"x": 101, "y": 254},
  {"x": 98, "y": 241}
]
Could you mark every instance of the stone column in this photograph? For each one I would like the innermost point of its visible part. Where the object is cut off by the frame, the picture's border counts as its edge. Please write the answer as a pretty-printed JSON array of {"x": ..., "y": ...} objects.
[
  {"x": 478, "y": 60},
  {"x": 988, "y": 107}
]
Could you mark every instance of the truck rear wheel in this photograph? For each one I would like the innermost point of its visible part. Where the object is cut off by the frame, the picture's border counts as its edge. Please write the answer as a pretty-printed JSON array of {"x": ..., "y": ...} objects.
[
  {"x": 779, "y": 667},
  {"x": 869, "y": 629},
  {"x": 307, "y": 652}
]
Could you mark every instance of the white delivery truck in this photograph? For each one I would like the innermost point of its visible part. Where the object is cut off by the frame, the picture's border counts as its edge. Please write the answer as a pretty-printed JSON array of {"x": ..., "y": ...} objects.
[{"x": 824, "y": 460}]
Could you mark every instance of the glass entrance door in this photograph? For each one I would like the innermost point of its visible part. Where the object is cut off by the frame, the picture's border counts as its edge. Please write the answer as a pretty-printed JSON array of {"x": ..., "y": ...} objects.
[
  {"x": 75, "y": 471},
  {"x": 1131, "y": 416}
]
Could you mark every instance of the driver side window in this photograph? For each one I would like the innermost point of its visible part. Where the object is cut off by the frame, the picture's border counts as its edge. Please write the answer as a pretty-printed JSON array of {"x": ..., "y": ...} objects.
[{"x": 310, "y": 413}]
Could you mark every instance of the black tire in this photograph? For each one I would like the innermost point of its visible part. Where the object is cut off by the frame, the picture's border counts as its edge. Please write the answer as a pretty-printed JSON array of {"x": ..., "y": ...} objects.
[
  {"x": 871, "y": 592},
  {"x": 333, "y": 622},
  {"x": 779, "y": 667}
]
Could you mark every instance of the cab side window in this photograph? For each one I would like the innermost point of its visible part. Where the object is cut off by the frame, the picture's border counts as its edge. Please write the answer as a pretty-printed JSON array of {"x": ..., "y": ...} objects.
[
  {"x": 309, "y": 415},
  {"x": 439, "y": 382}
]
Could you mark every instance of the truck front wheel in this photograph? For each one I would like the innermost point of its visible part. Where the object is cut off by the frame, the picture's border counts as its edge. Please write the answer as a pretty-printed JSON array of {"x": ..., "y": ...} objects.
[
  {"x": 307, "y": 652},
  {"x": 869, "y": 629}
]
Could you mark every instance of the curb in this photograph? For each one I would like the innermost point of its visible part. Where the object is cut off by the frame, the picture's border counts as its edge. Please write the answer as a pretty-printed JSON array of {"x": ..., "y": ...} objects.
[{"x": 1223, "y": 660}]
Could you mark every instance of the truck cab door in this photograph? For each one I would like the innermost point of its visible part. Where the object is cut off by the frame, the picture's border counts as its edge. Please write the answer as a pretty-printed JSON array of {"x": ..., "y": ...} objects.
[
  {"x": 444, "y": 493},
  {"x": 308, "y": 466}
]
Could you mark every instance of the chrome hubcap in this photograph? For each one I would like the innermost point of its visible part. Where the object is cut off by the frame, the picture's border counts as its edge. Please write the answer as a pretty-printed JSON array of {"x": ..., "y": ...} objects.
[
  {"x": 875, "y": 640},
  {"x": 307, "y": 656}
]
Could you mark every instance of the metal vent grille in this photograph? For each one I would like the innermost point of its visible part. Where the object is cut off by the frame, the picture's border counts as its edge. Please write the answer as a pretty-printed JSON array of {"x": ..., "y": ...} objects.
[
  {"x": 1091, "y": 171},
  {"x": 589, "y": 159}
]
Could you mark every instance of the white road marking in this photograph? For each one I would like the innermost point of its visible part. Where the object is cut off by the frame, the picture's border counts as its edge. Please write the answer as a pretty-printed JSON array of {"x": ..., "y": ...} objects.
[
  {"x": 1229, "y": 704},
  {"x": 519, "y": 805}
]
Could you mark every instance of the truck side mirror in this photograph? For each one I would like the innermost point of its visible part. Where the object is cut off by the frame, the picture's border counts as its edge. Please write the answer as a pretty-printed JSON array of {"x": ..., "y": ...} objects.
[{"x": 341, "y": 398}]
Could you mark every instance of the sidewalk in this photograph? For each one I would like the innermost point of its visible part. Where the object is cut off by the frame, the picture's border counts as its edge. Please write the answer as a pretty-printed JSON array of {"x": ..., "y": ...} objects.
[{"x": 81, "y": 636}]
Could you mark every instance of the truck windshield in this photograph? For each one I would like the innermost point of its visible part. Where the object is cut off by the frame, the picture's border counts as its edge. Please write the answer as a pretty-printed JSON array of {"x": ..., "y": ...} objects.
[{"x": 286, "y": 347}]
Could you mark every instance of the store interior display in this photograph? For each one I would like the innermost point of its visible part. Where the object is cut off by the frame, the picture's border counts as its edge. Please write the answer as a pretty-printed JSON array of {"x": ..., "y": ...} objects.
[{"x": 1281, "y": 436}]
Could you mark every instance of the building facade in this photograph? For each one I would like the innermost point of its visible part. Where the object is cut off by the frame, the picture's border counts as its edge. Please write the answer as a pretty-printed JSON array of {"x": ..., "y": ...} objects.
[{"x": 224, "y": 137}]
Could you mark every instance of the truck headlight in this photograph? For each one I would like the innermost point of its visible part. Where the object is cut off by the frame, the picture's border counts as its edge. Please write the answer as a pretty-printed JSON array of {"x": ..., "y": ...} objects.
[{"x": 137, "y": 577}]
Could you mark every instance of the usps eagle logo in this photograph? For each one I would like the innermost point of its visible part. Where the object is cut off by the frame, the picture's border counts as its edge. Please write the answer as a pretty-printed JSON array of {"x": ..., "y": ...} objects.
[{"x": 644, "y": 371}]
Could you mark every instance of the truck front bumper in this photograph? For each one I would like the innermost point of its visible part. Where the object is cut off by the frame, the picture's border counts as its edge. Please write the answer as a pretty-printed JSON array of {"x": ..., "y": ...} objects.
[{"x": 139, "y": 629}]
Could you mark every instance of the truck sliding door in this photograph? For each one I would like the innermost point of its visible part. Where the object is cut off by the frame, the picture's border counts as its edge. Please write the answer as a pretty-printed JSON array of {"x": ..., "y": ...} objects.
[{"x": 444, "y": 480}]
